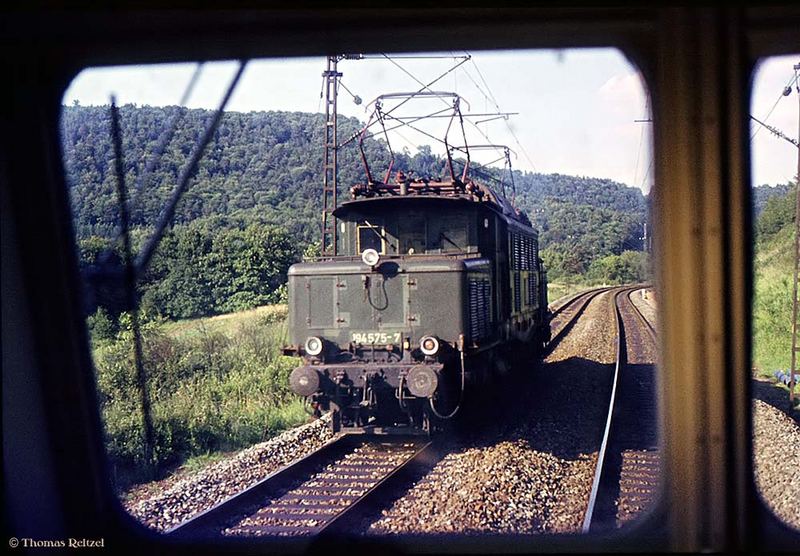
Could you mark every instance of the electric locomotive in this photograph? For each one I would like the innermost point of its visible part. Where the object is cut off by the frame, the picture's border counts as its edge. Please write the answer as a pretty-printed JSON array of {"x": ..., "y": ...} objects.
[{"x": 433, "y": 283}]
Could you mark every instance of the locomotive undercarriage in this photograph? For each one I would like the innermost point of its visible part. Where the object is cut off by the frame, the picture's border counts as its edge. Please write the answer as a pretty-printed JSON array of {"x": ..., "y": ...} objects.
[
  {"x": 375, "y": 394},
  {"x": 406, "y": 396}
]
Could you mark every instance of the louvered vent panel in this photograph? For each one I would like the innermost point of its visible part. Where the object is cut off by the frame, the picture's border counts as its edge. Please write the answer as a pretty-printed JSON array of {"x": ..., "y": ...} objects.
[
  {"x": 478, "y": 308},
  {"x": 518, "y": 252},
  {"x": 526, "y": 253},
  {"x": 532, "y": 289}
]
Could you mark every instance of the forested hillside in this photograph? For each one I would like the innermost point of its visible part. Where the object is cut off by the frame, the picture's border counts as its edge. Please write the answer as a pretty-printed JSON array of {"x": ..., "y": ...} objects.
[
  {"x": 262, "y": 172},
  {"x": 763, "y": 193},
  {"x": 582, "y": 219}
]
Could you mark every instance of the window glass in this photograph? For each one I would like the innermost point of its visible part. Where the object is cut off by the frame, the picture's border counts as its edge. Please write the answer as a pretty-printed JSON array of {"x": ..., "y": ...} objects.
[
  {"x": 230, "y": 367},
  {"x": 371, "y": 237},
  {"x": 774, "y": 138},
  {"x": 411, "y": 232}
]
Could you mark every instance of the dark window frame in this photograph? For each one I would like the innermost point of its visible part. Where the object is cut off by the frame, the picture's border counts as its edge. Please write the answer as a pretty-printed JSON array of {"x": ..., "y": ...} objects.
[{"x": 709, "y": 49}]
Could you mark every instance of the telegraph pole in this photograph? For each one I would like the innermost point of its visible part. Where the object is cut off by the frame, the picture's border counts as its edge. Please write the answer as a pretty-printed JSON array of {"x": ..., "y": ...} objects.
[{"x": 793, "y": 370}]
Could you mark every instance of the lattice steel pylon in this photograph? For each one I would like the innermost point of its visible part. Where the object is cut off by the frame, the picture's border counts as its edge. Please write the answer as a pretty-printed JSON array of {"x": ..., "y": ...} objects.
[{"x": 330, "y": 158}]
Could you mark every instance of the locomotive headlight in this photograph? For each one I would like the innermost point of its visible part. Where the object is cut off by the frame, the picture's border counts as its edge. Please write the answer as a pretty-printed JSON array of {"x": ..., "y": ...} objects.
[
  {"x": 422, "y": 381},
  {"x": 313, "y": 345},
  {"x": 429, "y": 345},
  {"x": 370, "y": 257}
]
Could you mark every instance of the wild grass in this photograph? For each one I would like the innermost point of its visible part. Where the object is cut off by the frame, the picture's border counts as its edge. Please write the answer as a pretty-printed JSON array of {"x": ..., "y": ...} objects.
[
  {"x": 558, "y": 290},
  {"x": 215, "y": 385},
  {"x": 772, "y": 303}
]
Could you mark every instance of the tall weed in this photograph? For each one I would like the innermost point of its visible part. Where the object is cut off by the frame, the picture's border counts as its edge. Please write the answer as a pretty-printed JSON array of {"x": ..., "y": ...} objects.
[{"x": 210, "y": 390}]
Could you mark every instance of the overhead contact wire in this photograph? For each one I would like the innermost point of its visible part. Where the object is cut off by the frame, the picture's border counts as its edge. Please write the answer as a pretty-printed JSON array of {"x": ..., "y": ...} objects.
[{"x": 187, "y": 174}]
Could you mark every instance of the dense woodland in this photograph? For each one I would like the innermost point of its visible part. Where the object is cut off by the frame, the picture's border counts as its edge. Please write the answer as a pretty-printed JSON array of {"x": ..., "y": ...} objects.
[
  {"x": 253, "y": 207},
  {"x": 764, "y": 194}
]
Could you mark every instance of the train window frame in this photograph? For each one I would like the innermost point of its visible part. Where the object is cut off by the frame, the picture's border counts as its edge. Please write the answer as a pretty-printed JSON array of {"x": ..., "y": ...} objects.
[
  {"x": 403, "y": 249},
  {"x": 713, "y": 183},
  {"x": 376, "y": 228},
  {"x": 773, "y": 520}
]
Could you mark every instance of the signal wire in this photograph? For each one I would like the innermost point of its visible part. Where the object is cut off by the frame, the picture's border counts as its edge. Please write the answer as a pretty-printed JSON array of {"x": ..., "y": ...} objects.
[
  {"x": 165, "y": 220},
  {"x": 130, "y": 290},
  {"x": 788, "y": 85},
  {"x": 641, "y": 140},
  {"x": 163, "y": 142},
  {"x": 497, "y": 106},
  {"x": 167, "y": 137}
]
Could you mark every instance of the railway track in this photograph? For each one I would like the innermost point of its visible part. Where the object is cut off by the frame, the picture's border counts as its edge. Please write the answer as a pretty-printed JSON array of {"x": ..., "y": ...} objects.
[
  {"x": 323, "y": 495},
  {"x": 564, "y": 318},
  {"x": 337, "y": 490},
  {"x": 626, "y": 479}
]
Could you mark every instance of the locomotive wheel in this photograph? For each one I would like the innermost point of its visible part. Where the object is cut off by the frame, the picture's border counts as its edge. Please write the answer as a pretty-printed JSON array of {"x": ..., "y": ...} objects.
[
  {"x": 336, "y": 418},
  {"x": 543, "y": 337}
]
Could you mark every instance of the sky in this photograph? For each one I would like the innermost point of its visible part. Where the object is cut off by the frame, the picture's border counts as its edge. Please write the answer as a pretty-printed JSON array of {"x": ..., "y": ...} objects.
[
  {"x": 774, "y": 159},
  {"x": 575, "y": 110}
]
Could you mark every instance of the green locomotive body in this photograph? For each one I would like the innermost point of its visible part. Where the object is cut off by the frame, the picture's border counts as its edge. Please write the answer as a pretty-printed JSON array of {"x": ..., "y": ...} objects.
[{"x": 432, "y": 281}]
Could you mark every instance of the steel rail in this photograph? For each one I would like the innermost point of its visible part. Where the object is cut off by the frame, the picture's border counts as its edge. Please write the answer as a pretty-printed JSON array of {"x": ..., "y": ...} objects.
[
  {"x": 344, "y": 523},
  {"x": 216, "y": 516},
  {"x": 575, "y": 297},
  {"x": 580, "y": 302},
  {"x": 640, "y": 316},
  {"x": 612, "y": 433},
  {"x": 601, "y": 456},
  {"x": 214, "y": 521}
]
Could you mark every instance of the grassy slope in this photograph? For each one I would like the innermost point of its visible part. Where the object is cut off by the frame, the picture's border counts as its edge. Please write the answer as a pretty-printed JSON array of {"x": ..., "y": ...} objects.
[
  {"x": 227, "y": 324},
  {"x": 557, "y": 290},
  {"x": 772, "y": 303},
  {"x": 217, "y": 384}
]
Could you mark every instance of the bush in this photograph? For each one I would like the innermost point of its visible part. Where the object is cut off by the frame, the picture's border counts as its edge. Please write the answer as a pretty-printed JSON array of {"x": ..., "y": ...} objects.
[
  {"x": 209, "y": 391},
  {"x": 777, "y": 214},
  {"x": 772, "y": 322},
  {"x": 627, "y": 268},
  {"x": 101, "y": 327}
]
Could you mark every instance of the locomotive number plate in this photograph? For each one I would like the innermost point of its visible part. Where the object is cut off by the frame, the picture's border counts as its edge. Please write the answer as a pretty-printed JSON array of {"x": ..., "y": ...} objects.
[{"x": 376, "y": 337}]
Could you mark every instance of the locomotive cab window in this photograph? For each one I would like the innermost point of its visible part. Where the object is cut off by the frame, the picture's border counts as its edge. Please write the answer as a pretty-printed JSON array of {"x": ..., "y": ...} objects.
[
  {"x": 448, "y": 233},
  {"x": 411, "y": 232},
  {"x": 436, "y": 289},
  {"x": 371, "y": 237}
]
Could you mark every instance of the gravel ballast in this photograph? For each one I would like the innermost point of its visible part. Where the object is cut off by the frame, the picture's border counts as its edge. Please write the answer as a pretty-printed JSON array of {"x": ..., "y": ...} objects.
[
  {"x": 218, "y": 481},
  {"x": 644, "y": 300},
  {"x": 776, "y": 449},
  {"x": 532, "y": 472}
]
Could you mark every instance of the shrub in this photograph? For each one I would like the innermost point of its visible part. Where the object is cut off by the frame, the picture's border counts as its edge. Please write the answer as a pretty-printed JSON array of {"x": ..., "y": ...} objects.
[
  {"x": 209, "y": 390},
  {"x": 101, "y": 326}
]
